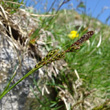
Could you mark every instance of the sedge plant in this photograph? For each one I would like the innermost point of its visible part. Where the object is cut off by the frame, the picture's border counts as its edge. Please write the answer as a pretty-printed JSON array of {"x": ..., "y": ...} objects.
[{"x": 52, "y": 56}]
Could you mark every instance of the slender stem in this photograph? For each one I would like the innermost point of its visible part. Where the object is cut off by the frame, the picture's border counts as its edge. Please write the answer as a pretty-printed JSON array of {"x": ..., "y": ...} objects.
[{"x": 29, "y": 73}]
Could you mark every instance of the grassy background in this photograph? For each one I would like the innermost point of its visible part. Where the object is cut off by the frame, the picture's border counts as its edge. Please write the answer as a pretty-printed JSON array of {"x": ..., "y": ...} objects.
[{"x": 92, "y": 60}]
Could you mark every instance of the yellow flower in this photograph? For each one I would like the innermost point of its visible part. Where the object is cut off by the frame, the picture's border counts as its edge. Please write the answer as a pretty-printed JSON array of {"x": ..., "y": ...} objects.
[{"x": 73, "y": 34}]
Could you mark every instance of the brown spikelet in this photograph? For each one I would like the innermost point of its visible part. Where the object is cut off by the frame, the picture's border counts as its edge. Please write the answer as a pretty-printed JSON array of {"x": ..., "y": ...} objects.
[
  {"x": 84, "y": 38},
  {"x": 77, "y": 44}
]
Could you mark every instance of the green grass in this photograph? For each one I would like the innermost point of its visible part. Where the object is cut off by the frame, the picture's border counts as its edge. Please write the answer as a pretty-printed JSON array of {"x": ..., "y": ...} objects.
[{"x": 91, "y": 62}]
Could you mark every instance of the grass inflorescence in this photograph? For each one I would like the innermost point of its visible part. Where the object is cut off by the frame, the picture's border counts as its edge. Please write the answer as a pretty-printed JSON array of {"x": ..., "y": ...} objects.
[{"x": 88, "y": 67}]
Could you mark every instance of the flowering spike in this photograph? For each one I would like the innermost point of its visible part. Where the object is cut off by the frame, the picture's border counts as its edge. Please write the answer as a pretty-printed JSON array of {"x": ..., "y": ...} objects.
[
  {"x": 56, "y": 55},
  {"x": 77, "y": 44},
  {"x": 83, "y": 38}
]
